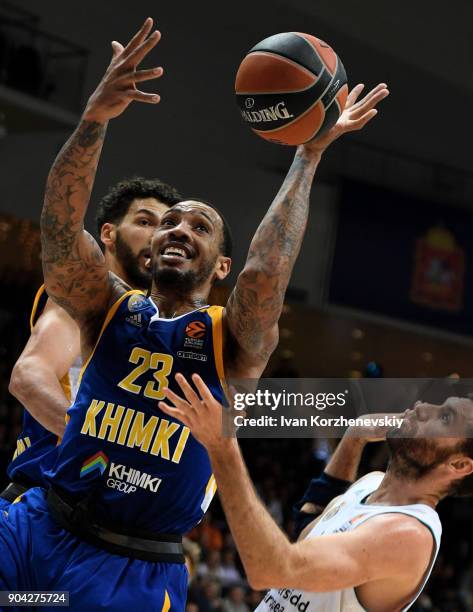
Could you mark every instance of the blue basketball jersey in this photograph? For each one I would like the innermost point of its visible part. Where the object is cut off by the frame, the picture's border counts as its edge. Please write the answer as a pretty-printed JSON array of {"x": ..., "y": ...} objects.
[
  {"x": 137, "y": 466},
  {"x": 35, "y": 442}
]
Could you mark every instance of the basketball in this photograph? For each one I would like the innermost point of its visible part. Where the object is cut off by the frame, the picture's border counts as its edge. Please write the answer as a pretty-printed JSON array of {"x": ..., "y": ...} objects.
[{"x": 291, "y": 88}]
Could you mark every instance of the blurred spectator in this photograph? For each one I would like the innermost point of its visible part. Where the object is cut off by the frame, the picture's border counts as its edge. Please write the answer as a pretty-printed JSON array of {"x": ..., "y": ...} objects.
[
  {"x": 424, "y": 603},
  {"x": 206, "y": 595},
  {"x": 275, "y": 507},
  {"x": 229, "y": 572},
  {"x": 192, "y": 554},
  {"x": 228, "y": 541},
  {"x": 207, "y": 534},
  {"x": 212, "y": 567},
  {"x": 235, "y": 600},
  {"x": 272, "y": 502},
  {"x": 253, "y": 599},
  {"x": 466, "y": 588}
]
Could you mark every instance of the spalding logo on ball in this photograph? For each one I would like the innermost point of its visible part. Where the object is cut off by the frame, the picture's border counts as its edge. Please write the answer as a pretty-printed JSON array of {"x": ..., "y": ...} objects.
[{"x": 291, "y": 87}]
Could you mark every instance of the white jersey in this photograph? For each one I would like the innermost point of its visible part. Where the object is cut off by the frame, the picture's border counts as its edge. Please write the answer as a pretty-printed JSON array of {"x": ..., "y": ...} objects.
[{"x": 344, "y": 514}]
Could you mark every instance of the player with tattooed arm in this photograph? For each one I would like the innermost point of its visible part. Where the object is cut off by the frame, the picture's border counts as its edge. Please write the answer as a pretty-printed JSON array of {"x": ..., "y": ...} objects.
[
  {"x": 128, "y": 480},
  {"x": 44, "y": 378}
]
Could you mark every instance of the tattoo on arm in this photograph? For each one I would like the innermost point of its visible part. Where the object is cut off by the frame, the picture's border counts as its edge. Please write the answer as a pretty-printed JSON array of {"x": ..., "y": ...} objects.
[
  {"x": 74, "y": 267},
  {"x": 255, "y": 304}
]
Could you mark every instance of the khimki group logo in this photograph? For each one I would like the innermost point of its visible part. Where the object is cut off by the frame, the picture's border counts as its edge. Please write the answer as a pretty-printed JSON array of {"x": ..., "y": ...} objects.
[{"x": 97, "y": 463}]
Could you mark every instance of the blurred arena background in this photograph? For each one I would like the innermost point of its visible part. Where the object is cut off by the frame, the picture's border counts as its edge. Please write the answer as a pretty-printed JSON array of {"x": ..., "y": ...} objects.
[{"x": 384, "y": 283}]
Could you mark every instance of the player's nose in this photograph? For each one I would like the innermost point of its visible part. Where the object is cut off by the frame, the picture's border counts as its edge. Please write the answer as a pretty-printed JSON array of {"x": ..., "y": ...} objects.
[
  {"x": 180, "y": 232},
  {"x": 423, "y": 411}
]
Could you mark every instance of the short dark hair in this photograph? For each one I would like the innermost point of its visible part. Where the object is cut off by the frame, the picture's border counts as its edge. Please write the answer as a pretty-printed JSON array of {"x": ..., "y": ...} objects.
[
  {"x": 115, "y": 204},
  {"x": 226, "y": 246}
]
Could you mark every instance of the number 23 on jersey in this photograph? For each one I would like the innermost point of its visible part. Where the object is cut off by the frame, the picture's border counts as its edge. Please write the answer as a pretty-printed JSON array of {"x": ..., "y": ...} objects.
[{"x": 159, "y": 363}]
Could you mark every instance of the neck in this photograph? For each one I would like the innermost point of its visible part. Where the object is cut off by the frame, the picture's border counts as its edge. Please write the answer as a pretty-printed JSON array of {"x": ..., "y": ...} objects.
[
  {"x": 115, "y": 266},
  {"x": 396, "y": 490},
  {"x": 172, "y": 305}
]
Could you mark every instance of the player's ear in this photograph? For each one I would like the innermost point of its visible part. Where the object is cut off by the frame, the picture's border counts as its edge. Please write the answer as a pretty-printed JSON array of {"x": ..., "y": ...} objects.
[
  {"x": 222, "y": 267},
  {"x": 462, "y": 466},
  {"x": 108, "y": 235}
]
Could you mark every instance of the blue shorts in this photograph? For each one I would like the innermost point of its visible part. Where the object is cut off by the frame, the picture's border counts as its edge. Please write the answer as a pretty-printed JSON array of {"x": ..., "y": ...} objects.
[
  {"x": 37, "y": 554},
  {"x": 4, "y": 504}
]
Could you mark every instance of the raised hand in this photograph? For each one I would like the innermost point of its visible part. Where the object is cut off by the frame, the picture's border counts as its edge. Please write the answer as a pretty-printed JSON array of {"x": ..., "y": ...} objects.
[
  {"x": 356, "y": 114},
  {"x": 118, "y": 89},
  {"x": 201, "y": 412}
]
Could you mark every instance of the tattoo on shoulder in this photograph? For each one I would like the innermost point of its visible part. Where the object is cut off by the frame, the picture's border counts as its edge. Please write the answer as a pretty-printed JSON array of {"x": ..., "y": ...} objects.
[
  {"x": 119, "y": 287},
  {"x": 73, "y": 264}
]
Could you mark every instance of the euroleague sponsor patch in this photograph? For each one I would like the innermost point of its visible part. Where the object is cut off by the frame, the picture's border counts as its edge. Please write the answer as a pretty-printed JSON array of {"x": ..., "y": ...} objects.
[
  {"x": 195, "y": 329},
  {"x": 195, "y": 335}
]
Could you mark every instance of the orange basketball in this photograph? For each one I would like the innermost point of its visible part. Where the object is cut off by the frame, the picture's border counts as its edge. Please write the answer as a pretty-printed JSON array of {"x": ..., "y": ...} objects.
[{"x": 291, "y": 87}]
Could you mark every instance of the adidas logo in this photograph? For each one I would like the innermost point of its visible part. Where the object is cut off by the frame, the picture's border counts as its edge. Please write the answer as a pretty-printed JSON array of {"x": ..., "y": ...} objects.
[{"x": 135, "y": 319}]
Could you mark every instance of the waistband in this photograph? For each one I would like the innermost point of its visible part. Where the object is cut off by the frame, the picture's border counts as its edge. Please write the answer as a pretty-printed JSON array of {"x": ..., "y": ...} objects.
[
  {"x": 12, "y": 491},
  {"x": 155, "y": 547}
]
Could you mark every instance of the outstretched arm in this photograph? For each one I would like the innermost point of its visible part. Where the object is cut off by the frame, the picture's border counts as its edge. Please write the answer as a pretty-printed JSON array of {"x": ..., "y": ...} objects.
[
  {"x": 394, "y": 547},
  {"x": 75, "y": 273},
  {"x": 49, "y": 353},
  {"x": 255, "y": 305},
  {"x": 381, "y": 548}
]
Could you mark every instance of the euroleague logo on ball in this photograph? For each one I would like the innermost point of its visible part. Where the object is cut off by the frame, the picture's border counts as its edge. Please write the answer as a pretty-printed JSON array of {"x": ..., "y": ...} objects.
[{"x": 249, "y": 102}]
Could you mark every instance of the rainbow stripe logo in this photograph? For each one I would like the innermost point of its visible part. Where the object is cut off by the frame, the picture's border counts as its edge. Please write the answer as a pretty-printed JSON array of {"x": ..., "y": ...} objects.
[{"x": 98, "y": 462}]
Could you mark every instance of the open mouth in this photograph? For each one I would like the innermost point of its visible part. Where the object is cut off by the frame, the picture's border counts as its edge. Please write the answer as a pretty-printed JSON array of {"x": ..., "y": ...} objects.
[{"x": 176, "y": 252}]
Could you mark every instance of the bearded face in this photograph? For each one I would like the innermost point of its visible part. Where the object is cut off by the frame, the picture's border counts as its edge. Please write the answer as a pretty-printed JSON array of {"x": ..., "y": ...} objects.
[
  {"x": 414, "y": 458},
  {"x": 187, "y": 249},
  {"x": 136, "y": 265},
  {"x": 429, "y": 435}
]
